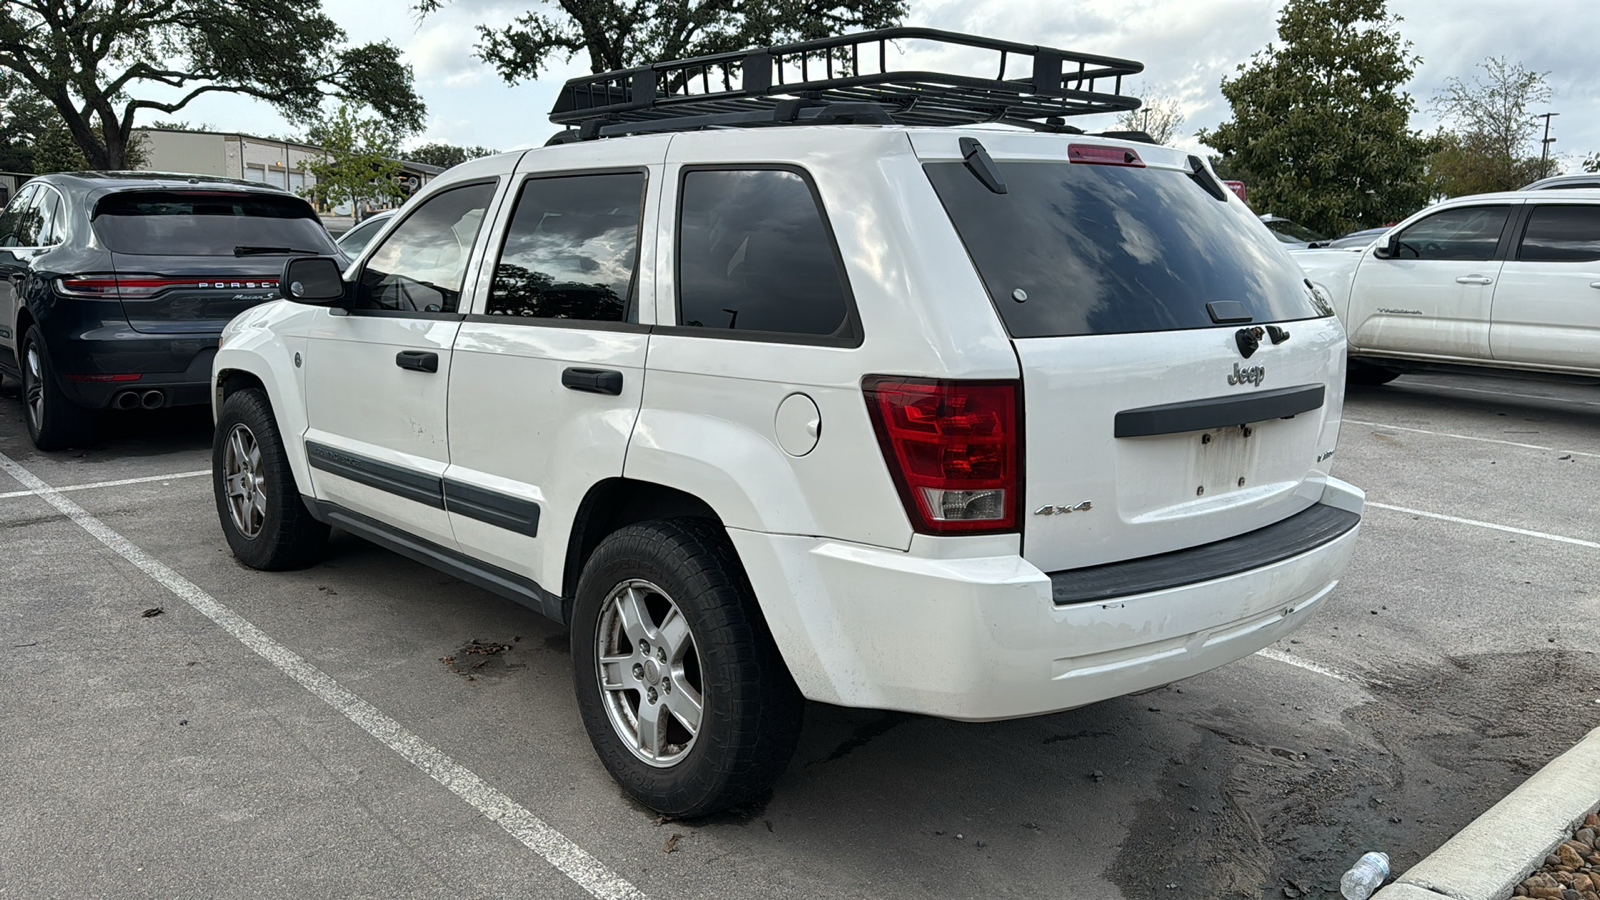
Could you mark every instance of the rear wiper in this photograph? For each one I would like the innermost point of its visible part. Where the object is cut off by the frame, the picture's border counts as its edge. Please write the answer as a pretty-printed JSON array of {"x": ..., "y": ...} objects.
[{"x": 264, "y": 251}]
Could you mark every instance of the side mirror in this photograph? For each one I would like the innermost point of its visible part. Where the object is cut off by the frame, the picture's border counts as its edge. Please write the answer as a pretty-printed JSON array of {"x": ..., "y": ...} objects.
[
  {"x": 1390, "y": 249},
  {"x": 313, "y": 280}
]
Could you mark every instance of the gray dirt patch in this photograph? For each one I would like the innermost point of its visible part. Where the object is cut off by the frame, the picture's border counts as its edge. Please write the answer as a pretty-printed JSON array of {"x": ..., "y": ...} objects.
[{"x": 1242, "y": 815}]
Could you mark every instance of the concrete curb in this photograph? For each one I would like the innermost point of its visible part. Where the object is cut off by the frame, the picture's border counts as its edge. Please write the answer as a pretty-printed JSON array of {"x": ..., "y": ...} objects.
[{"x": 1500, "y": 848}]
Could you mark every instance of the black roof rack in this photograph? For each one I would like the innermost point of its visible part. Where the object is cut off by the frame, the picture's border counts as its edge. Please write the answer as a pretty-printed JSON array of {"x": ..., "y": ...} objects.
[{"x": 844, "y": 79}]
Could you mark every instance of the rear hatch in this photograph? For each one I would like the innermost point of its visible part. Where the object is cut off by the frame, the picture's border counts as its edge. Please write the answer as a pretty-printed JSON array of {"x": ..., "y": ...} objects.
[
  {"x": 187, "y": 261},
  {"x": 1133, "y": 285}
]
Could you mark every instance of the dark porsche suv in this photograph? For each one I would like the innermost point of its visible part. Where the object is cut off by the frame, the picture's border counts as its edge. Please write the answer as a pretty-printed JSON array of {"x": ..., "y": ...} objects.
[{"x": 114, "y": 287}]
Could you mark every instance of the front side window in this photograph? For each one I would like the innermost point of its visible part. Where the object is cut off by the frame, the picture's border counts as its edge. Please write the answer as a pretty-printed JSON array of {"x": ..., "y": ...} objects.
[
  {"x": 420, "y": 266},
  {"x": 1464, "y": 233},
  {"x": 755, "y": 254},
  {"x": 571, "y": 250},
  {"x": 1562, "y": 234}
]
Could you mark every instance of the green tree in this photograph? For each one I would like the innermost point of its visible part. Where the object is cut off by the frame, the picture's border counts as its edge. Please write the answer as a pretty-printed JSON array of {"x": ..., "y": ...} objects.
[
  {"x": 1592, "y": 164},
  {"x": 360, "y": 168},
  {"x": 1158, "y": 116},
  {"x": 93, "y": 61},
  {"x": 1495, "y": 126},
  {"x": 616, "y": 34},
  {"x": 438, "y": 153},
  {"x": 1321, "y": 126}
]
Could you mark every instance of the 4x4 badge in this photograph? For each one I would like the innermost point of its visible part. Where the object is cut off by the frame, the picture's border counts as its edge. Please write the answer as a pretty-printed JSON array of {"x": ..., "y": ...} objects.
[
  {"x": 1084, "y": 506},
  {"x": 1253, "y": 375}
]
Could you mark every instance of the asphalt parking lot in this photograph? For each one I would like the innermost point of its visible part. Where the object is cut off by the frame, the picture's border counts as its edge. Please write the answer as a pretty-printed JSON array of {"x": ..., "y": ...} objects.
[{"x": 302, "y": 735}]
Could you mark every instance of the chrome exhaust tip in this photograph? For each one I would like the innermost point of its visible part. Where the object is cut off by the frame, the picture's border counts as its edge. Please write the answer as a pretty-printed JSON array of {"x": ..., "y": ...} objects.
[
  {"x": 152, "y": 399},
  {"x": 126, "y": 400}
]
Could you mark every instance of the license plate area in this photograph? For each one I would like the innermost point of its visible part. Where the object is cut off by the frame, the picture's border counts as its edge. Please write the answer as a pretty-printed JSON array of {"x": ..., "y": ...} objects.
[{"x": 1224, "y": 459}]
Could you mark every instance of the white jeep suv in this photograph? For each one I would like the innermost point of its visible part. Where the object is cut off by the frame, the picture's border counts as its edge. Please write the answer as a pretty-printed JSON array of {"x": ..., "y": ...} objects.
[{"x": 855, "y": 408}]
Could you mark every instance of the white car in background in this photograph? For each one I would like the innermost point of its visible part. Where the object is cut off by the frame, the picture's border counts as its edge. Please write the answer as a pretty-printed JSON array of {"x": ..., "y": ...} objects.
[{"x": 1490, "y": 282}]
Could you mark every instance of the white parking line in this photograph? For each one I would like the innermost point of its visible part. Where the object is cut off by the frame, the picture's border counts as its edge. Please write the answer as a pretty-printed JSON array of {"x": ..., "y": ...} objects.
[
  {"x": 1468, "y": 437},
  {"x": 568, "y": 858},
  {"x": 1506, "y": 528},
  {"x": 1306, "y": 664},
  {"x": 105, "y": 484}
]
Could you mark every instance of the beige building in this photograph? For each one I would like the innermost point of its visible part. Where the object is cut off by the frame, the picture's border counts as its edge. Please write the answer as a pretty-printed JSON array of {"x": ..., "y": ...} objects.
[{"x": 267, "y": 160}]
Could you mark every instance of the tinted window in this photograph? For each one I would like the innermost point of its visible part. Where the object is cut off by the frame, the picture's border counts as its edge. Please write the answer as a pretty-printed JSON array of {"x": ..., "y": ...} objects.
[
  {"x": 1076, "y": 249},
  {"x": 754, "y": 254},
  {"x": 421, "y": 264},
  {"x": 1562, "y": 234},
  {"x": 51, "y": 229},
  {"x": 571, "y": 249},
  {"x": 206, "y": 223},
  {"x": 1469, "y": 232},
  {"x": 17, "y": 218},
  {"x": 355, "y": 240}
]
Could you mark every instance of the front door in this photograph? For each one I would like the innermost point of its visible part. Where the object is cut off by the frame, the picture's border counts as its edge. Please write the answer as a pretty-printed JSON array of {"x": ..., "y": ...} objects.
[
  {"x": 18, "y": 227},
  {"x": 376, "y": 374},
  {"x": 1547, "y": 305},
  {"x": 547, "y": 377},
  {"x": 1432, "y": 296}
]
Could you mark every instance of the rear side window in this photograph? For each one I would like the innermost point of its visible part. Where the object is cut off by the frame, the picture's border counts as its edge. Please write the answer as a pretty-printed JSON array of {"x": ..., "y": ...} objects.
[
  {"x": 1463, "y": 233},
  {"x": 207, "y": 223},
  {"x": 1075, "y": 249},
  {"x": 1562, "y": 234},
  {"x": 755, "y": 254},
  {"x": 571, "y": 250}
]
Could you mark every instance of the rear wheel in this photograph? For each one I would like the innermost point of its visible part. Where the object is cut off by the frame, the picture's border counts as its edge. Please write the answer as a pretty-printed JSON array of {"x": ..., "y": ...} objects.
[
  {"x": 1363, "y": 373},
  {"x": 54, "y": 422},
  {"x": 263, "y": 517},
  {"x": 684, "y": 695}
]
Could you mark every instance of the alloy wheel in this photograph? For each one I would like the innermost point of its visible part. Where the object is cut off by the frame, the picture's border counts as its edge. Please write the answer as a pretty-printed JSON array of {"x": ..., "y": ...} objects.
[
  {"x": 649, "y": 671},
  {"x": 245, "y": 482},
  {"x": 34, "y": 386}
]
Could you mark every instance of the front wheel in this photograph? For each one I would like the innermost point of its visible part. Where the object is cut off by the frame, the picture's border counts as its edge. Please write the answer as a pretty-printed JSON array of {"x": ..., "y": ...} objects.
[
  {"x": 54, "y": 422},
  {"x": 263, "y": 517},
  {"x": 684, "y": 695}
]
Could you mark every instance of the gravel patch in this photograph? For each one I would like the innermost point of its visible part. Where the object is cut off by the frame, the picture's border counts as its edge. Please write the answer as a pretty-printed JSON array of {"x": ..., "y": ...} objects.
[{"x": 1572, "y": 872}]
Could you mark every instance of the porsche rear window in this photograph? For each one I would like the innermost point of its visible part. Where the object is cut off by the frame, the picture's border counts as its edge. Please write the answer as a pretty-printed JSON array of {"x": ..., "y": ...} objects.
[{"x": 206, "y": 223}]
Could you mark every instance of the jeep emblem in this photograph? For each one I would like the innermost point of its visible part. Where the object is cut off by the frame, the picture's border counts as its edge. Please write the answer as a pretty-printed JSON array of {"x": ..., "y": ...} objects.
[{"x": 1253, "y": 375}]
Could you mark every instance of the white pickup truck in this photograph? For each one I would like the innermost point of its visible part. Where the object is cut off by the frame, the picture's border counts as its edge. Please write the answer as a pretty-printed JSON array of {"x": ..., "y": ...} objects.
[{"x": 1488, "y": 282}]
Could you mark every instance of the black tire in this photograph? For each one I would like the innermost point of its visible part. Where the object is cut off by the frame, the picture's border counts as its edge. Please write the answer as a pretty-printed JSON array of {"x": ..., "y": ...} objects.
[
  {"x": 285, "y": 534},
  {"x": 54, "y": 422},
  {"x": 1362, "y": 373},
  {"x": 751, "y": 711}
]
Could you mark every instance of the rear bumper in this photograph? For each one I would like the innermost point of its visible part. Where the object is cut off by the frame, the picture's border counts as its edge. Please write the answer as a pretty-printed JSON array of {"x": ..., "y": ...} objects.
[
  {"x": 983, "y": 639},
  {"x": 88, "y": 338}
]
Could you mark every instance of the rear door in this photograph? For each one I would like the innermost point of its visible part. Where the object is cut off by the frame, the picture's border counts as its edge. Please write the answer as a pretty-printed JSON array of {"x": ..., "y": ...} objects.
[
  {"x": 1159, "y": 412},
  {"x": 1432, "y": 297},
  {"x": 188, "y": 261},
  {"x": 376, "y": 375},
  {"x": 549, "y": 371},
  {"x": 1547, "y": 304}
]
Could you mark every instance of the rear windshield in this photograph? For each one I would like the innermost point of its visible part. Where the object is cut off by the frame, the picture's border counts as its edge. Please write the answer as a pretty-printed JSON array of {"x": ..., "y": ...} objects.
[
  {"x": 206, "y": 223},
  {"x": 1074, "y": 249}
]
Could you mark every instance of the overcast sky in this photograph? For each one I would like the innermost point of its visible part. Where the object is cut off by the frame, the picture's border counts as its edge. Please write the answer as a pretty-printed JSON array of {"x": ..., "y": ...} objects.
[{"x": 1187, "y": 46}]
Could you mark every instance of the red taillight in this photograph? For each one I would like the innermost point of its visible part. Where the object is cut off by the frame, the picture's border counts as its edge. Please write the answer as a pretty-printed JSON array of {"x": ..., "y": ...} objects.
[
  {"x": 1103, "y": 156},
  {"x": 143, "y": 287},
  {"x": 954, "y": 449}
]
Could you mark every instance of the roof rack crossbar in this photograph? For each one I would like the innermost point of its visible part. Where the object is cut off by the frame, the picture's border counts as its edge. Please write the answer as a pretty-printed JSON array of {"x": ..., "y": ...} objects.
[{"x": 755, "y": 82}]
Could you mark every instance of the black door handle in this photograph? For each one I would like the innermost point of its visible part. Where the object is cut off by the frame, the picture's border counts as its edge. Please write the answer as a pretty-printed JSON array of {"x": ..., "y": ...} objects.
[
  {"x": 593, "y": 381},
  {"x": 417, "y": 360}
]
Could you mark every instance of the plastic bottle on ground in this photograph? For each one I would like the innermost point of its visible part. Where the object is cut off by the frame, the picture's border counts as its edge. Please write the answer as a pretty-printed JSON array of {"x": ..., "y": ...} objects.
[{"x": 1365, "y": 876}]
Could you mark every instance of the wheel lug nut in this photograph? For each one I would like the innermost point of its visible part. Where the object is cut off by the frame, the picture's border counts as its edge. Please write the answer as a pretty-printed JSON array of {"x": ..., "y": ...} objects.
[
  {"x": 666, "y": 684},
  {"x": 644, "y": 648},
  {"x": 653, "y": 695},
  {"x": 661, "y": 654},
  {"x": 638, "y": 670}
]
